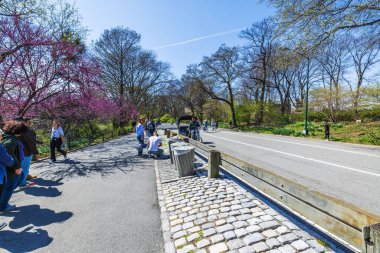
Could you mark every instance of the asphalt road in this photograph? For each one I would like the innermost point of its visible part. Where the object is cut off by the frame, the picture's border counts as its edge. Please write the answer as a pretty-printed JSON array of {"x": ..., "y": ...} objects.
[
  {"x": 347, "y": 171},
  {"x": 102, "y": 200}
]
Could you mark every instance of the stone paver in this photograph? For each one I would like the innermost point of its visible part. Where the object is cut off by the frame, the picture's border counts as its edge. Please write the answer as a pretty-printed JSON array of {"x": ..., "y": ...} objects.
[
  {"x": 217, "y": 215},
  {"x": 218, "y": 248}
]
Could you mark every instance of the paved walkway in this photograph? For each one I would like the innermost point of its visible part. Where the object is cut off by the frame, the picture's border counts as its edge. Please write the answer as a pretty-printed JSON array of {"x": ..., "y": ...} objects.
[
  {"x": 102, "y": 200},
  {"x": 217, "y": 215}
]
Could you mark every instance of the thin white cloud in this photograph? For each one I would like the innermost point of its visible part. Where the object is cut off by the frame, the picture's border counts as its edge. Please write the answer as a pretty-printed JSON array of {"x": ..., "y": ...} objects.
[{"x": 200, "y": 38}]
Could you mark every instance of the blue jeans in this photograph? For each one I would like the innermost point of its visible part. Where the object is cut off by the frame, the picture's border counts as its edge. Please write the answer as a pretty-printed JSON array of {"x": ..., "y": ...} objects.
[
  {"x": 9, "y": 187},
  {"x": 25, "y": 170},
  {"x": 158, "y": 153},
  {"x": 140, "y": 148}
]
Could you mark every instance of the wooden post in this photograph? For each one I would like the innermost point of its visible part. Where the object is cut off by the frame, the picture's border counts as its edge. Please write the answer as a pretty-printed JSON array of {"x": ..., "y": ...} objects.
[
  {"x": 213, "y": 164},
  {"x": 371, "y": 238},
  {"x": 170, "y": 151},
  {"x": 167, "y": 133}
]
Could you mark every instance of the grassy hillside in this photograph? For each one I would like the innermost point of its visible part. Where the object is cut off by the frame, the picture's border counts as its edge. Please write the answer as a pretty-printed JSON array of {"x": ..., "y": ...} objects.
[{"x": 363, "y": 133}]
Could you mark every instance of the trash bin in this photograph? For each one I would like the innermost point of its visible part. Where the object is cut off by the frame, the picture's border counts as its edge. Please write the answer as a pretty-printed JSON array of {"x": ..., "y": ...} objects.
[
  {"x": 184, "y": 160},
  {"x": 175, "y": 143}
]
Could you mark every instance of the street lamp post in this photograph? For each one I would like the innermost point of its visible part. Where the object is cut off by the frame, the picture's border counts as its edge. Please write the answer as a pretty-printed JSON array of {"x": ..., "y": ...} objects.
[{"x": 306, "y": 131}]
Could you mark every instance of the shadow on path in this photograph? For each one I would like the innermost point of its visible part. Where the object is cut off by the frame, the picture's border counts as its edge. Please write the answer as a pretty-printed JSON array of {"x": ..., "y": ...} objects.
[
  {"x": 103, "y": 159},
  {"x": 34, "y": 215},
  {"x": 43, "y": 191},
  {"x": 46, "y": 183},
  {"x": 25, "y": 241}
]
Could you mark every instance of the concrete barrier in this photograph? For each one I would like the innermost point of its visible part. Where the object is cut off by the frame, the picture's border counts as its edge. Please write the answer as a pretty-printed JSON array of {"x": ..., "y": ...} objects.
[{"x": 341, "y": 219}]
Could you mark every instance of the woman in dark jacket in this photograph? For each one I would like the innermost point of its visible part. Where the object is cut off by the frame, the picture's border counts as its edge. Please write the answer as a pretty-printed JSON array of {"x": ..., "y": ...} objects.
[
  {"x": 5, "y": 161},
  {"x": 11, "y": 144}
]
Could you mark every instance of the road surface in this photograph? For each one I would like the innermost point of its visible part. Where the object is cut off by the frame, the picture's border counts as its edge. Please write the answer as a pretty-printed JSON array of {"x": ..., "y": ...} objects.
[
  {"x": 103, "y": 199},
  {"x": 346, "y": 171}
]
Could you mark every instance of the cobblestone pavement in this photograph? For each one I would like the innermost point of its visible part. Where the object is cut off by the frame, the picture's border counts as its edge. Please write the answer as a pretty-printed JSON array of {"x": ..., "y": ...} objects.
[{"x": 217, "y": 215}]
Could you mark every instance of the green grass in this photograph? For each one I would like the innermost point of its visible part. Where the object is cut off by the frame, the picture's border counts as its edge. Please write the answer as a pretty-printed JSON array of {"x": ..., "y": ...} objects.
[
  {"x": 323, "y": 243},
  {"x": 361, "y": 133}
]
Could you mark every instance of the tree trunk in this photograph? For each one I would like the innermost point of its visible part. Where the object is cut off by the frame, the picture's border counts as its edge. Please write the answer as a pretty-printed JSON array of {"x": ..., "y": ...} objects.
[{"x": 234, "y": 122}]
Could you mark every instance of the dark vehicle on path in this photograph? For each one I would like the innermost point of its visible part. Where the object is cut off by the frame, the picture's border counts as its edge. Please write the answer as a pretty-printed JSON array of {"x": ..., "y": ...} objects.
[{"x": 184, "y": 129}]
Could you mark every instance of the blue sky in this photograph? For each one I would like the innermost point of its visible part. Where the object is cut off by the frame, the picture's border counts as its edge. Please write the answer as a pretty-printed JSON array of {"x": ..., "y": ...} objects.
[{"x": 166, "y": 22}]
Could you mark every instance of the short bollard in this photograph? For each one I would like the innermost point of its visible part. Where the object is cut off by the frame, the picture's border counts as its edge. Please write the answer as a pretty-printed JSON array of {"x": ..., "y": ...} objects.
[
  {"x": 173, "y": 145},
  {"x": 371, "y": 238},
  {"x": 213, "y": 164}
]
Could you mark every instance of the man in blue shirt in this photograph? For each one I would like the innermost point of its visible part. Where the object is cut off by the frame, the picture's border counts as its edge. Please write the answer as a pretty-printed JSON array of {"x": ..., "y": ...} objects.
[{"x": 140, "y": 136}]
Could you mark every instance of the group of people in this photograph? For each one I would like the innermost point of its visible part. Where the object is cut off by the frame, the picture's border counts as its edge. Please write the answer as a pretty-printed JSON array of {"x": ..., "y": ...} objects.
[
  {"x": 214, "y": 125},
  {"x": 154, "y": 141},
  {"x": 18, "y": 144}
]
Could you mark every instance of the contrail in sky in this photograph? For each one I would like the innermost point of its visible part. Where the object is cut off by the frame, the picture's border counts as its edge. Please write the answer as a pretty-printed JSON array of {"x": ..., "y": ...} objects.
[{"x": 200, "y": 38}]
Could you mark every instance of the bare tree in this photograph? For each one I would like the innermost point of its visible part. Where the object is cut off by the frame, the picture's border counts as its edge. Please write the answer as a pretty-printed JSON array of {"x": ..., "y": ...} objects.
[
  {"x": 364, "y": 55},
  {"x": 133, "y": 75},
  {"x": 258, "y": 54},
  {"x": 319, "y": 20},
  {"x": 218, "y": 75},
  {"x": 334, "y": 64}
]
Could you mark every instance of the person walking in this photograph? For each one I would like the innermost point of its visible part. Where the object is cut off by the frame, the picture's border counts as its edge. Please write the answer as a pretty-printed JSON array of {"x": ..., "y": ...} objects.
[
  {"x": 206, "y": 126},
  {"x": 151, "y": 128},
  {"x": 327, "y": 131},
  {"x": 33, "y": 135},
  {"x": 194, "y": 128},
  {"x": 213, "y": 125},
  {"x": 134, "y": 123},
  {"x": 29, "y": 148},
  {"x": 5, "y": 161},
  {"x": 140, "y": 136},
  {"x": 56, "y": 140},
  {"x": 11, "y": 144}
]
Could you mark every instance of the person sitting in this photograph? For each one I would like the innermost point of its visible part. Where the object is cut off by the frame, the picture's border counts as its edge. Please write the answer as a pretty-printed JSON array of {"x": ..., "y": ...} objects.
[{"x": 154, "y": 142}]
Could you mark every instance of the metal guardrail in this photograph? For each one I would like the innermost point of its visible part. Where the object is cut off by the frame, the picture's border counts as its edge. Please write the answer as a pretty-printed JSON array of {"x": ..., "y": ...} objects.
[{"x": 341, "y": 219}]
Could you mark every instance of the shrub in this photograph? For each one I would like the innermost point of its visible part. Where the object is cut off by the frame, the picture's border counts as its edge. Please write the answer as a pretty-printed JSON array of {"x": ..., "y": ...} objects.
[
  {"x": 370, "y": 115},
  {"x": 371, "y": 138},
  {"x": 283, "y": 131},
  {"x": 347, "y": 116},
  {"x": 317, "y": 116},
  {"x": 167, "y": 118}
]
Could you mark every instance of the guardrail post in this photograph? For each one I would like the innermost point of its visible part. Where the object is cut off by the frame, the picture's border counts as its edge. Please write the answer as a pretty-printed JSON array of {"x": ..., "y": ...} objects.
[
  {"x": 213, "y": 164},
  {"x": 371, "y": 238}
]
